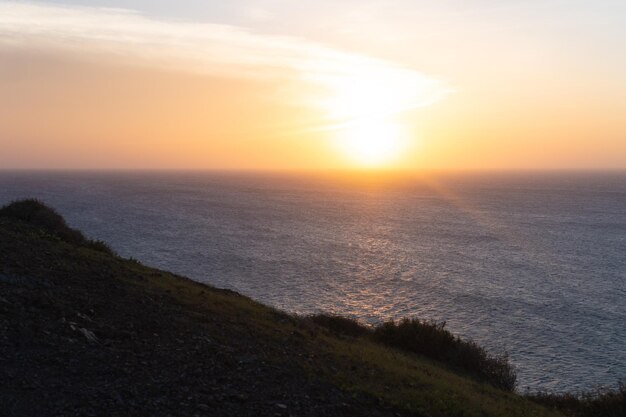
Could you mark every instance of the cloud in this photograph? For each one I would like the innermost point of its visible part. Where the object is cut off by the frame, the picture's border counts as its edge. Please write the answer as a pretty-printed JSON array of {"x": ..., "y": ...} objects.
[
  {"x": 211, "y": 49},
  {"x": 257, "y": 14}
]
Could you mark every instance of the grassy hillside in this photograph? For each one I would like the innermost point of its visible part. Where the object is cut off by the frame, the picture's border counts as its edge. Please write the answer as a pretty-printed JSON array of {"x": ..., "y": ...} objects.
[{"x": 85, "y": 332}]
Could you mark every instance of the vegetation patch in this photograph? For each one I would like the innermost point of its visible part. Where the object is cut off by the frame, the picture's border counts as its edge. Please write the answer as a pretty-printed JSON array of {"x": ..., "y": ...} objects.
[
  {"x": 602, "y": 402},
  {"x": 340, "y": 325},
  {"x": 35, "y": 212},
  {"x": 432, "y": 340}
]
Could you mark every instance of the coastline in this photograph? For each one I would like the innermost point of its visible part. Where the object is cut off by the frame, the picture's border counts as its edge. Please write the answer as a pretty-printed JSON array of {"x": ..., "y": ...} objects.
[{"x": 92, "y": 332}]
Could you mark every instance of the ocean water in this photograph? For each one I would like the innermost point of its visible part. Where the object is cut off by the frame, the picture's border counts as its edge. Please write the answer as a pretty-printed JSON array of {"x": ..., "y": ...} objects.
[{"x": 534, "y": 264}]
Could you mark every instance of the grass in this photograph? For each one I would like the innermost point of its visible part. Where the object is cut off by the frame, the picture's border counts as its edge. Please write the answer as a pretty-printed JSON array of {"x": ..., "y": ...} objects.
[
  {"x": 602, "y": 402},
  {"x": 385, "y": 363},
  {"x": 37, "y": 213},
  {"x": 340, "y": 325},
  {"x": 431, "y": 340},
  {"x": 341, "y": 354}
]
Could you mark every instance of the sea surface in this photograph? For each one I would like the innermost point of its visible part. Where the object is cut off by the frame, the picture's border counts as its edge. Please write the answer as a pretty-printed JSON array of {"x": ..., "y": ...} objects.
[{"x": 530, "y": 263}]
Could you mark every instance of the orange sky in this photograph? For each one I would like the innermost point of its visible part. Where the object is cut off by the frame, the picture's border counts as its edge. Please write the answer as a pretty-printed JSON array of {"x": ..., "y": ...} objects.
[{"x": 82, "y": 87}]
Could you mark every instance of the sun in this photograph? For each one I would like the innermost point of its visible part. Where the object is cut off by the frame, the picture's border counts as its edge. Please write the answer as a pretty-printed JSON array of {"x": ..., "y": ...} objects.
[
  {"x": 365, "y": 108},
  {"x": 372, "y": 142}
]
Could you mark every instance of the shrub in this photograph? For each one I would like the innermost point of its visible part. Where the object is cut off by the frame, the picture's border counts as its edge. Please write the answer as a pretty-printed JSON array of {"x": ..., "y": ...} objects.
[
  {"x": 432, "y": 340},
  {"x": 340, "y": 325},
  {"x": 99, "y": 245},
  {"x": 134, "y": 261},
  {"x": 35, "y": 212},
  {"x": 599, "y": 403}
]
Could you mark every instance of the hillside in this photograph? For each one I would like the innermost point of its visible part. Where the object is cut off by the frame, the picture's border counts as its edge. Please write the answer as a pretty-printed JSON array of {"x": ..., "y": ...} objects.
[{"x": 85, "y": 332}]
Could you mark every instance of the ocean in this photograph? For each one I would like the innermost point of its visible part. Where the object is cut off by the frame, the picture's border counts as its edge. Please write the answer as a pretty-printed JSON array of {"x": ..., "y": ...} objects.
[{"x": 533, "y": 264}]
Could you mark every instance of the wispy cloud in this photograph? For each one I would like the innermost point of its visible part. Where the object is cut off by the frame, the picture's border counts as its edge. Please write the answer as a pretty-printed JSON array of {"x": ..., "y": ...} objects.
[{"x": 211, "y": 49}]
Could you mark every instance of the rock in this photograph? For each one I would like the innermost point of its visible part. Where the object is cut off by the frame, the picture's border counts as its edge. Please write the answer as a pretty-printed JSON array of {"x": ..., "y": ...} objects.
[{"x": 88, "y": 334}]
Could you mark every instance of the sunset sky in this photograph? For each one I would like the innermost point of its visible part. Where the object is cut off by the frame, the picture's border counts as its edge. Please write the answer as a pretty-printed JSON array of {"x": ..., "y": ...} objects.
[{"x": 275, "y": 84}]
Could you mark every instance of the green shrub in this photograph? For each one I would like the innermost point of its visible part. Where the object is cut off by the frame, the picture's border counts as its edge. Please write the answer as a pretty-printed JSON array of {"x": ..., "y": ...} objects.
[
  {"x": 598, "y": 403},
  {"x": 35, "y": 212},
  {"x": 429, "y": 339},
  {"x": 340, "y": 325},
  {"x": 134, "y": 261},
  {"x": 99, "y": 245},
  {"x": 432, "y": 340}
]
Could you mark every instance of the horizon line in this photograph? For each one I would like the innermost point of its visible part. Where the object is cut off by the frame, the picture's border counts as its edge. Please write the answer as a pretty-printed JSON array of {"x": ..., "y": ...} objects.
[{"x": 367, "y": 171}]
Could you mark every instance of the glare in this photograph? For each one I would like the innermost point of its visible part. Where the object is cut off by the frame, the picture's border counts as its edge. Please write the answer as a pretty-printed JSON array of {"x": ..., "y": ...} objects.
[
  {"x": 372, "y": 142},
  {"x": 366, "y": 104},
  {"x": 358, "y": 99}
]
